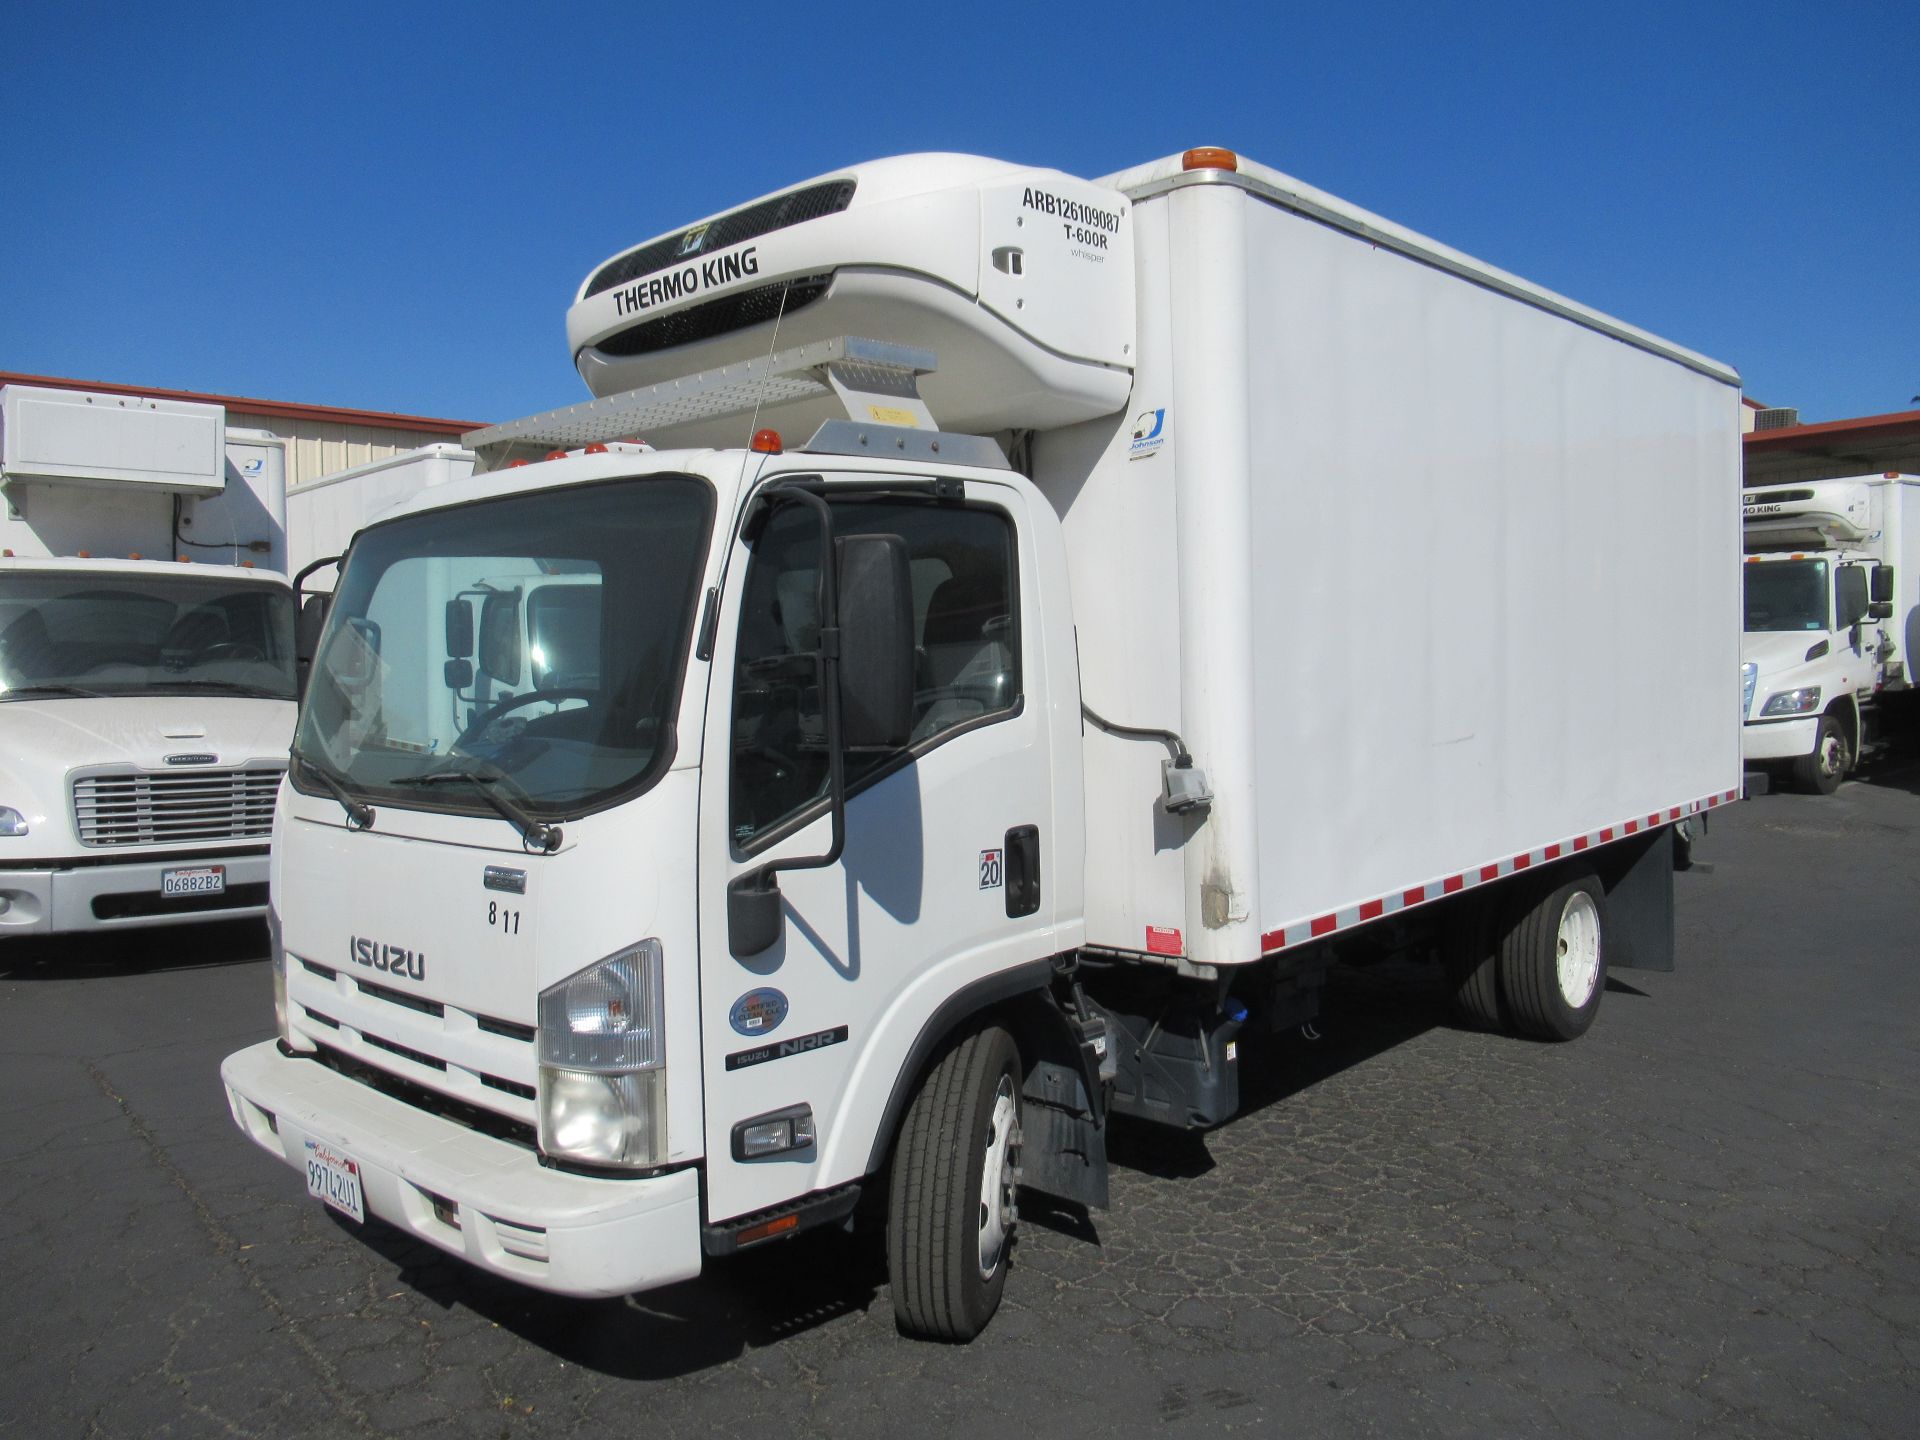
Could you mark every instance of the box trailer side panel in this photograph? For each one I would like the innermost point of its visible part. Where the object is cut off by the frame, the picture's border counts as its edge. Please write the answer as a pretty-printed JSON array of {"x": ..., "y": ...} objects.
[{"x": 1494, "y": 574}]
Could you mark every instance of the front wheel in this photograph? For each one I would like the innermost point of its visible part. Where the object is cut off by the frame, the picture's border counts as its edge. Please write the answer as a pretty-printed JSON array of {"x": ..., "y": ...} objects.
[
  {"x": 1821, "y": 769},
  {"x": 950, "y": 1208}
]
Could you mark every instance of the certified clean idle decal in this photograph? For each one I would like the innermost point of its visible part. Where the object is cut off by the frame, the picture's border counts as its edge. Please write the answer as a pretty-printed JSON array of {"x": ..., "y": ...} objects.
[{"x": 758, "y": 1012}]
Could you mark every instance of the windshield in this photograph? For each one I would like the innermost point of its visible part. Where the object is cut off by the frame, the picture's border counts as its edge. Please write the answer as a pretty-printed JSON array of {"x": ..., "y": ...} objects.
[
  {"x": 1786, "y": 594},
  {"x": 106, "y": 633},
  {"x": 528, "y": 647}
]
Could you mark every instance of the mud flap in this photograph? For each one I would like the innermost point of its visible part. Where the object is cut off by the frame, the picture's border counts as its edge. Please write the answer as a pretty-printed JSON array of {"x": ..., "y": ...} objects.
[
  {"x": 1063, "y": 1146},
  {"x": 1639, "y": 882}
]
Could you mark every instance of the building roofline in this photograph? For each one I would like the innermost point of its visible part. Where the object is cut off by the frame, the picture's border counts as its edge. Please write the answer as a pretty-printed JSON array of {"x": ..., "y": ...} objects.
[
  {"x": 1863, "y": 427},
  {"x": 278, "y": 409}
]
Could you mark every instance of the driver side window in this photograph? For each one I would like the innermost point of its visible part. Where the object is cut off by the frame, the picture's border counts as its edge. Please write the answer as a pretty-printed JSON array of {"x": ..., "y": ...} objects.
[{"x": 966, "y": 659}]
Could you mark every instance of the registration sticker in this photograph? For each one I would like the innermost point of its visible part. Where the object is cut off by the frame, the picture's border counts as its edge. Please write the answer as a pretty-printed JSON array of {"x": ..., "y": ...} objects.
[
  {"x": 335, "y": 1179},
  {"x": 201, "y": 880}
]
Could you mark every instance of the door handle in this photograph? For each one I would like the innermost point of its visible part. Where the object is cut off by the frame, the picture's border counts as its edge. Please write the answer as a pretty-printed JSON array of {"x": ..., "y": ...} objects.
[{"x": 1023, "y": 870}]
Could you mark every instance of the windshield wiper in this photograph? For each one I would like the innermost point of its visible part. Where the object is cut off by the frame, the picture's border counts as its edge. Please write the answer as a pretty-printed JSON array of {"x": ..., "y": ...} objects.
[
  {"x": 359, "y": 813},
  {"x": 18, "y": 692},
  {"x": 534, "y": 834}
]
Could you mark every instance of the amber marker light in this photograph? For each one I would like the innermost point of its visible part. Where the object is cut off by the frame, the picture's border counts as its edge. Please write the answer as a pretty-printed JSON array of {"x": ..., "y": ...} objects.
[
  {"x": 766, "y": 442},
  {"x": 1209, "y": 157}
]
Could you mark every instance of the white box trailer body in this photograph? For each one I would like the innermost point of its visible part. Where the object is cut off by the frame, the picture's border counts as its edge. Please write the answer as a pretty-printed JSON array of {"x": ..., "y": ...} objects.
[
  {"x": 1302, "y": 641},
  {"x": 324, "y": 514},
  {"x": 1832, "y": 619},
  {"x": 1383, "y": 565},
  {"x": 146, "y": 661}
]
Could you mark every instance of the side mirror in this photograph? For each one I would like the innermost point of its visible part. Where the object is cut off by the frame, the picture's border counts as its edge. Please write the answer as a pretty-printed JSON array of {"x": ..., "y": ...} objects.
[
  {"x": 458, "y": 674},
  {"x": 307, "y": 625},
  {"x": 875, "y": 601},
  {"x": 753, "y": 913},
  {"x": 1882, "y": 587},
  {"x": 459, "y": 630},
  {"x": 1879, "y": 609}
]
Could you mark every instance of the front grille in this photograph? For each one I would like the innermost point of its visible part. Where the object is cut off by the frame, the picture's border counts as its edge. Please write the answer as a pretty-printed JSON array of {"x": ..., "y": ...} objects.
[
  {"x": 782, "y": 211},
  {"x": 198, "y": 805},
  {"x": 717, "y": 317}
]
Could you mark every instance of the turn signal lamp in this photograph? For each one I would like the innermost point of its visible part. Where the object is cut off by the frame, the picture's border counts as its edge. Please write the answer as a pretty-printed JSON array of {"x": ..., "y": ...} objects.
[
  {"x": 1209, "y": 157},
  {"x": 766, "y": 442}
]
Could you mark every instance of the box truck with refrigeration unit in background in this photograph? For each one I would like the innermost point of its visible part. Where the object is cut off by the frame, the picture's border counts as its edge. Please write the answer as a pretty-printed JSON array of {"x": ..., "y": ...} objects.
[
  {"x": 146, "y": 661},
  {"x": 1037, "y": 628},
  {"x": 1832, "y": 601}
]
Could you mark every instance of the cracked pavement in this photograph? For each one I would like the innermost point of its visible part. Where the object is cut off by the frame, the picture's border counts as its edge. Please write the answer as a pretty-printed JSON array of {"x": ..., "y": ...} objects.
[{"x": 1700, "y": 1219}]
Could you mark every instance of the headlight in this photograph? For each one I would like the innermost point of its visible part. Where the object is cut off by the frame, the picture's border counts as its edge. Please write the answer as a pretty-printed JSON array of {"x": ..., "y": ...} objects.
[
  {"x": 603, "y": 1062},
  {"x": 12, "y": 822},
  {"x": 1793, "y": 702},
  {"x": 1749, "y": 673}
]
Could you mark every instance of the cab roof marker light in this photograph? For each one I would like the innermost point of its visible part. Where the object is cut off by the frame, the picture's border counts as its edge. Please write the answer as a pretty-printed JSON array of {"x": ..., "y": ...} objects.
[
  {"x": 1209, "y": 157},
  {"x": 555, "y": 455},
  {"x": 516, "y": 464},
  {"x": 594, "y": 450},
  {"x": 767, "y": 442}
]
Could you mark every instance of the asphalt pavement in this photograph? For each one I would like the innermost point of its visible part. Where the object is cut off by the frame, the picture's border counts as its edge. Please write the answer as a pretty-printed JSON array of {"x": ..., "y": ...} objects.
[{"x": 1700, "y": 1219}]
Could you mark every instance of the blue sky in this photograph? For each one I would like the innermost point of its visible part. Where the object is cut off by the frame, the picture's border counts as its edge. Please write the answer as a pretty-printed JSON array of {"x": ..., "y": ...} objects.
[{"x": 390, "y": 206}]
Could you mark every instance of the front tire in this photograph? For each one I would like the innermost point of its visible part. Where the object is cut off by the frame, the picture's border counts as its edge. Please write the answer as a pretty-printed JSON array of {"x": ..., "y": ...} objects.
[
  {"x": 1553, "y": 962},
  {"x": 950, "y": 1207},
  {"x": 1821, "y": 770}
]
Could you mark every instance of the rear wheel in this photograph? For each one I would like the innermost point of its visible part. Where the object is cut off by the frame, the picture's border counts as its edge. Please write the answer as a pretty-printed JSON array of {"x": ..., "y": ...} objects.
[
  {"x": 1822, "y": 769},
  {"x": 1469, "y": 952},
  {"x": 1553, "y": 962},
  {"x": 950, "y": 1207}
]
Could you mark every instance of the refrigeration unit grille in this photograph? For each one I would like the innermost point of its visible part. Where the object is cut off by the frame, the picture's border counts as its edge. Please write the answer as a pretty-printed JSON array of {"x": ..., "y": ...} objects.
[{"x": 794, "y": 208}]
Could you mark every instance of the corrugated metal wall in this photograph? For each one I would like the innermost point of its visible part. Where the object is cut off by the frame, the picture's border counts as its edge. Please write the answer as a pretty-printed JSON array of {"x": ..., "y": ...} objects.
[{"x": 316, "y": 448}]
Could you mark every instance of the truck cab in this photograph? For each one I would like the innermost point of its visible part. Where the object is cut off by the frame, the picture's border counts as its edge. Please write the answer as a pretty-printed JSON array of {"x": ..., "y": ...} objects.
[
  {"x": 146, "y": 701},
  {"x": 1819, "y": 646}
]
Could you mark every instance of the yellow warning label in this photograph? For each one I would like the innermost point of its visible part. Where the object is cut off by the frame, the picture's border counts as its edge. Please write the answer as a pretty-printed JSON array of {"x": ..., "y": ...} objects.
[{"x": 887, "y": 415}]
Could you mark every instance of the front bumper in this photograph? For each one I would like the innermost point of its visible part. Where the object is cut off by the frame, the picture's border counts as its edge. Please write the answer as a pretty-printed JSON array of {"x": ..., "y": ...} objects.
[
  {"x": 1779, "y": 739},
  {"x": 124, "y": 895},
  {"x": 569, "y": 1234}
]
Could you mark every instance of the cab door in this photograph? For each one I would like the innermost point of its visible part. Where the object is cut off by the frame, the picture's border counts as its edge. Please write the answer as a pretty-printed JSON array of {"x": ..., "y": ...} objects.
[{"x": 925, "y": 897}]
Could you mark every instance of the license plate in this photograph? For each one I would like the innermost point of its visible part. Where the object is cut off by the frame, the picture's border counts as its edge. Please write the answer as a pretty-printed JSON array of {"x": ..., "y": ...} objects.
[
  {"x": 201, "y": 880},
  {"x": 335, "y": 1179}
]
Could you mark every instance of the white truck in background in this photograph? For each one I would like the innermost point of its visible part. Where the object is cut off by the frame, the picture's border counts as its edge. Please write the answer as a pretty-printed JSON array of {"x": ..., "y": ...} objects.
[
  {"x": 146, "y": 661},
  {"x": 1832, "y": 624},
  {"x": 937, "y": 795}
]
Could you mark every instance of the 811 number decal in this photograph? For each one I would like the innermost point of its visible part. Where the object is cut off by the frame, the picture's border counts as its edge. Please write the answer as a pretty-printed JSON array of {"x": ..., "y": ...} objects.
[{"x": 500, "y": 918}]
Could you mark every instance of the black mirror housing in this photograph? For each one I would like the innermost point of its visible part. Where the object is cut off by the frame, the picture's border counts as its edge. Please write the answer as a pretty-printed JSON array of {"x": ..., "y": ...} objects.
[
  {"x": 460, "y": 629},
  {"x": 1881, "y": 591},
  {"x": 458, "y": 674},
  {"x": 875, "y": 603},
  {"x": 753, "y": 913},
  {"x": 1880, "y": 609}
]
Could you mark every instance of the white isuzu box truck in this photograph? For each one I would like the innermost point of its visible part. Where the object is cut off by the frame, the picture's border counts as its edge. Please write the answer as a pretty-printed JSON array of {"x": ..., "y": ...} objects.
[
  {"x": 1832, "y": 619},
  {"x": 914, "y": 800},
  {"x": 146, "y": 695}
]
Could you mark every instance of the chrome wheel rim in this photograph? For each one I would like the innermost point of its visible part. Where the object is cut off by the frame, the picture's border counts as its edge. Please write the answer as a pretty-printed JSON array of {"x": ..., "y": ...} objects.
[{"x": 997, "y": 1212}]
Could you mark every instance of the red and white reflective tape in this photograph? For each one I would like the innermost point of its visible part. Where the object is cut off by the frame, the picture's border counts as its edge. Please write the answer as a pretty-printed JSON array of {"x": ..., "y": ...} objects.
[{"x": 1300, "y": 931}]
